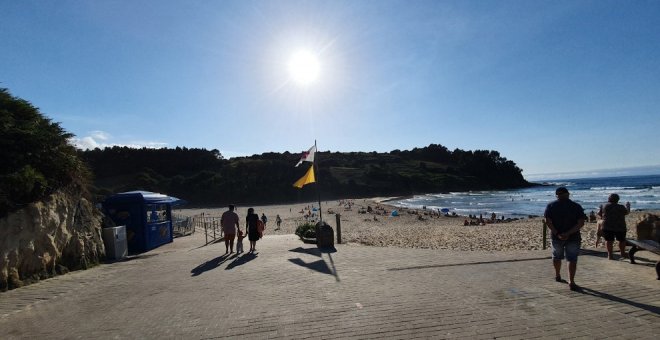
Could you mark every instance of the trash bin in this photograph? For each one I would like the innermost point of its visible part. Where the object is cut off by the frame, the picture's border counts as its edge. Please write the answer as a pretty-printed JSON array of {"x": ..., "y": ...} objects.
[
  {"x": 325, "y": 236},
  {"x": 116, "y": 247}
]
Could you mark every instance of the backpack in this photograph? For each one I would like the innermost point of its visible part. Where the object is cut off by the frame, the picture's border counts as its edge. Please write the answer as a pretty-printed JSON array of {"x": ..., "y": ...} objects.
[{"x": 260, "y": 228}]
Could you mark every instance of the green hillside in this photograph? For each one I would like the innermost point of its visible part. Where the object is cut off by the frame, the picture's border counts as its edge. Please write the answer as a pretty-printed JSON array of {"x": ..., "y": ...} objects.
[{"x": 204, "y": 177}]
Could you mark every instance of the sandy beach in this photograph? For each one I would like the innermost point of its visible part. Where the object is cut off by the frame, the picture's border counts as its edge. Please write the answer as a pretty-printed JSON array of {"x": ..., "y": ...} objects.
[{"x": 414, "y": 229}]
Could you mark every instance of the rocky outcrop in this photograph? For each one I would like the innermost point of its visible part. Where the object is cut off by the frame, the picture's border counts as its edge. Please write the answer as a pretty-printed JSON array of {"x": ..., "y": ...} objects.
[
  {"x": 648, "y": 228},
  {"x": 50, "y": 237}
]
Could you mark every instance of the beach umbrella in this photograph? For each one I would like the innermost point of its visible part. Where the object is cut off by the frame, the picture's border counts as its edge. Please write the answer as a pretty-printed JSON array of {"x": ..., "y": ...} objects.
[
  {"x": 395, "y": 213},
  {"x": 444, "y": 210}
]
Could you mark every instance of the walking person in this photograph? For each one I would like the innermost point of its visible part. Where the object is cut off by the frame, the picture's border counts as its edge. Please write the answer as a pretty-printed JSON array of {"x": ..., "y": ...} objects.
[
  {"x": 239, "y": 241},
  {"x": 230, "y": 224},
  {"x": 565, "y": 218},
  {"x": 278, "y": 220},
  {"x": 614, "y": 224},
  {"x": 264, "y": 219},
  {"x": 251, "y": 229}
]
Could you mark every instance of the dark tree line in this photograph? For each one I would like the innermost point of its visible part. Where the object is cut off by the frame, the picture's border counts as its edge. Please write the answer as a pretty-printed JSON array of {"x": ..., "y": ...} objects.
[
  {"x": 37, "y": 159},
  {"x": 204, "y": 177}
]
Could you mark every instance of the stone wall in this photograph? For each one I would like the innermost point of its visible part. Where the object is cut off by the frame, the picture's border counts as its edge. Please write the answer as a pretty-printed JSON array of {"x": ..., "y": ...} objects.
[{"x": 50, "y": 237}]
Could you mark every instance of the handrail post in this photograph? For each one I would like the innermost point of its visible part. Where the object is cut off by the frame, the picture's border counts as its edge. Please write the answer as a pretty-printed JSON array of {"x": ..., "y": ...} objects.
[
  {"x": 206, "y": 233},
  {"x": 337, "y": 216},
  {"x": 545, "y": 235}
]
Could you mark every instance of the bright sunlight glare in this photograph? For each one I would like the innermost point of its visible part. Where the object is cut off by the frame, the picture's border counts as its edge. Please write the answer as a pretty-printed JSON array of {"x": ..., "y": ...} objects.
[{"x": 304, "y": 67}]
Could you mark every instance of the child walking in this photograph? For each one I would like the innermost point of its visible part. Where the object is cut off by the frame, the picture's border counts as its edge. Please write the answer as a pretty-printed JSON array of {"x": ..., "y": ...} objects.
[{"x": 239, "y": 242}]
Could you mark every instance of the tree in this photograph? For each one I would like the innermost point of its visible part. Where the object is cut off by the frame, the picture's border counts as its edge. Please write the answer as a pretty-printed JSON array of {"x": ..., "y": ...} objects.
[{"x": 37, "y": 158}]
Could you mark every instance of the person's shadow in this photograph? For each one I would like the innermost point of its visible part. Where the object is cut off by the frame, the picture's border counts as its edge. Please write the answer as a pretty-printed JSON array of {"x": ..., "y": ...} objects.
[
  {"x": 209, "y": 265},
  {"x": 592, "y": 292},
  {"x": 241, "y": 260}
]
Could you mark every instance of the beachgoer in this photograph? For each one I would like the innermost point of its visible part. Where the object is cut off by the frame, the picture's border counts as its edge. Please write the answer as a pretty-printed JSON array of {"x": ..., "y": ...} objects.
[
  {"x": 239, "y": 241},
  {"x": 592, "y": 217},
  {"x": 278, "y": 220},
  {"x": 564, "y": 218},
  {"x": 229, "y": 223},
  {"x": 264, "y": 218},
  {"x": 614, "y": 224},
  {"x": 251, "y": 229}
]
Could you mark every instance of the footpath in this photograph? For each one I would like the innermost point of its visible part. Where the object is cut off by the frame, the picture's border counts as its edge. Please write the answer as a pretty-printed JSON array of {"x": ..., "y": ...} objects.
[{"x": 290, "y": 290}]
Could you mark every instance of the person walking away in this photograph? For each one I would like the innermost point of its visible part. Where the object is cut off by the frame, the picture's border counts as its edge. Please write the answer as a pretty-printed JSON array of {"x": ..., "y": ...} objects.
[
  {"x": 264, "y": 219},
  {"x": 278, "y": 220},
  {"x": 565, "y": 218},
  {"x": 239, "y": 241},
  {"x": 251, "y": 229},
  {"x": 230, "y": 223},
  {"x": 614, "y": 224}
]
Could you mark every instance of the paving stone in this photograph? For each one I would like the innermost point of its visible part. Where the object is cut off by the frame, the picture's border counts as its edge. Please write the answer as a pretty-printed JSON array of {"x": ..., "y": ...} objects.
[{"x": 288, "y": 289}]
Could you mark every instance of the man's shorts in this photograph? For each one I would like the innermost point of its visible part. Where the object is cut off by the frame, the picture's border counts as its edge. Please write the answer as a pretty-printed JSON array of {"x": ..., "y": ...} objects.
[
  {"x": 570, "y": 248},
  {"x": 611, "y": 235}
]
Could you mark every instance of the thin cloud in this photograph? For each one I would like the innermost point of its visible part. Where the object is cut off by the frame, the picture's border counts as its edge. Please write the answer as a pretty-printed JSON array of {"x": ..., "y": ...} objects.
[{"x": 101, "y": 139}]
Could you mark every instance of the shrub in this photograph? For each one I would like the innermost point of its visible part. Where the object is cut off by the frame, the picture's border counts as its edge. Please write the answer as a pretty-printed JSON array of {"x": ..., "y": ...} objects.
[{"x": 306, "y": 230}]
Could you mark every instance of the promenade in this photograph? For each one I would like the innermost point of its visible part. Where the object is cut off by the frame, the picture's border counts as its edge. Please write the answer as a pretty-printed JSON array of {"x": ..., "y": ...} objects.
[{"x": 291, "y": 290}]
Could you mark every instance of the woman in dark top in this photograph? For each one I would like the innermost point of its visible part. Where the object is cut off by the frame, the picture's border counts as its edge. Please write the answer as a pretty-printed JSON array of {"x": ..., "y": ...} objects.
[
  {"x": 251, "y": 227},
  {"x": 614, "y": 224}
]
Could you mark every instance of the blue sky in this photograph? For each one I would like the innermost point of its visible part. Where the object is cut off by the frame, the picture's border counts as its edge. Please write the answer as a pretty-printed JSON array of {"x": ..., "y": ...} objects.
[{"x": 555, "y": 86}]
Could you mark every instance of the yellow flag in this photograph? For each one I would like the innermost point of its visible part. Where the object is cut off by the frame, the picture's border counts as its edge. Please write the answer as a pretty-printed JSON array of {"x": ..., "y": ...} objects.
[{"x": 304, "y": 180}]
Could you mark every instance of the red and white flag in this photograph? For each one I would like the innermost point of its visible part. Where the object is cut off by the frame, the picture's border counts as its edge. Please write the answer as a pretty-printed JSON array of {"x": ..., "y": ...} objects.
[{"x": 307, "y": 156}]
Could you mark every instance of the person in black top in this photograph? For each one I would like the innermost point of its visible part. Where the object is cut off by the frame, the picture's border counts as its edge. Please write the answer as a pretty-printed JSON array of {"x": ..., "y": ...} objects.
[
  {"x": 564, "y": 218},
  {"x": 614, "y": 224},
  {"x": 251, "y": 228}
]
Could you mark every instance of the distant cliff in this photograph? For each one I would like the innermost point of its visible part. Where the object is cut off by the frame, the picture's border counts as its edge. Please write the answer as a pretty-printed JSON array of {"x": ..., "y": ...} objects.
[{"x": 204, "y": 177}]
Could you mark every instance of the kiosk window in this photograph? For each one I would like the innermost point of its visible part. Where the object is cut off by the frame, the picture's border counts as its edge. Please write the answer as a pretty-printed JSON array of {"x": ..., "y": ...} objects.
[{"x": 156, "y": 213}]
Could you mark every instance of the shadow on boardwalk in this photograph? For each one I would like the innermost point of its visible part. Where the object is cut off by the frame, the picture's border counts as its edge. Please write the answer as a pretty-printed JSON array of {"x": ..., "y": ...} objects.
[
  {"x": 241, "y": 260},
  {"x": 592, "y": 292},
  {"x": 211, "y": 264},
  {"x": 320, "y": 266},
  {"x": 469, "y": 263}
]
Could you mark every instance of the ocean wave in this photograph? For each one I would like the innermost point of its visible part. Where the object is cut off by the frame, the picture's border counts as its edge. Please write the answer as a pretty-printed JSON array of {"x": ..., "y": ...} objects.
[
  {"x": 641, "y": 188},
  {"x": 559, "y": 184}
]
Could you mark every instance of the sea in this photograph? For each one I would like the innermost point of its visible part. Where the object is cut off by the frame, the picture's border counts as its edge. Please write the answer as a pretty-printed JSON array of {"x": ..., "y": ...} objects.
[{"x": 643, "y": 193}]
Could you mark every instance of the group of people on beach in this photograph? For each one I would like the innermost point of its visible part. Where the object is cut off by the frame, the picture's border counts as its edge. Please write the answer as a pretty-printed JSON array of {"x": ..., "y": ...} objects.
[
  {"x": 254, "y": 227},
  {"x": 565, "y": 218}
]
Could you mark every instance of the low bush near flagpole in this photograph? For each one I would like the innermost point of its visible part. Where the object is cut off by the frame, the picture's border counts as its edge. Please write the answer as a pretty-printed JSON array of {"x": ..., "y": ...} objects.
[{"x": 306, "y": 232}]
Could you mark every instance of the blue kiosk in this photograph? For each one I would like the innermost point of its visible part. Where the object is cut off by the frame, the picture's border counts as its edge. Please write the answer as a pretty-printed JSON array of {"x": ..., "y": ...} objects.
[{"x": 146, "y": 215}]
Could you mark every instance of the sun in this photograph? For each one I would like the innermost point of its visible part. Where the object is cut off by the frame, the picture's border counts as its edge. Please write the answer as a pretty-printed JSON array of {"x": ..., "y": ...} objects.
[{"x": 304, "y": 67}]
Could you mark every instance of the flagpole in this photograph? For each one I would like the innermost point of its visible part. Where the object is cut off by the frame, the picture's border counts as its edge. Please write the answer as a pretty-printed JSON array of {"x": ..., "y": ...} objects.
[{"x": 318, "y": 190}]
